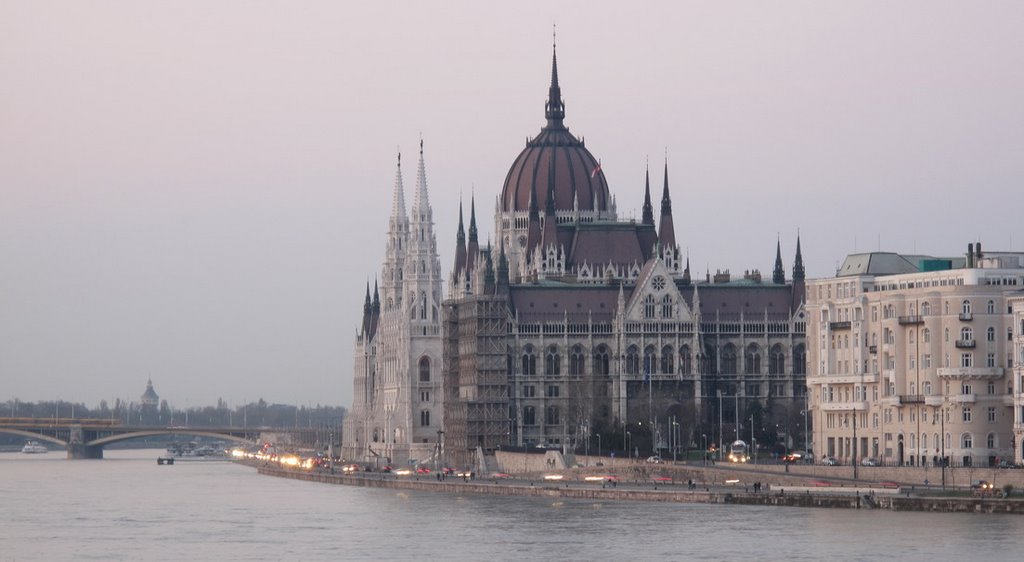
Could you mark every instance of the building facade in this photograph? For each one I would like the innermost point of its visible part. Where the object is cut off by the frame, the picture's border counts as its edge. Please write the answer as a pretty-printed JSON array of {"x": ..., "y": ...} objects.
[
  {"x": 1017, "y": 325},
  {"x": 911, "y": 359},
  {"x": 577, "y": 324},
  {"x": 397, "y": 405}
]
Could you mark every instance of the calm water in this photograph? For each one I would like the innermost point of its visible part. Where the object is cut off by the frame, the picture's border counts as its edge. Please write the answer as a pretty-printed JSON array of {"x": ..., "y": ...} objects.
[{"x": 125, "y": 507}]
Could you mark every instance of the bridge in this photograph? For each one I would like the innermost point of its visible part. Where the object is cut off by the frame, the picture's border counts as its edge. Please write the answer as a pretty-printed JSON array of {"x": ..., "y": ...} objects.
[{"x": 85, "y": 438}]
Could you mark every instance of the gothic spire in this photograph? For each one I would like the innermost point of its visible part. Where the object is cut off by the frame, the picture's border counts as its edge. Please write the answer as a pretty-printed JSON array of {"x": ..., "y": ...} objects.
[
  {"x": 648, "y": 216},
  {"x": 460, "y": 246},
  {"x": 554, "y": 108},
  {"x": 421, "y": 205},
  {"x": 779, "y": 275},
  {"x": 488, "y": 272},
  {"x": 798, "y": 264},
  {"x": 666, "y": 228},
  {"x": 502, "y": 271},
  {"x": 686, "y": 272},
  {"x": 550, "y": 221},
  {"x": 473, "y": 248},
  {"x": 398, "y": 198}
]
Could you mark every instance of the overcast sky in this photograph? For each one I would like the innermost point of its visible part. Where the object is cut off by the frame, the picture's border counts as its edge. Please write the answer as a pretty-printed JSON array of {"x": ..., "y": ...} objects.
[{"x": 197, "y": 192}]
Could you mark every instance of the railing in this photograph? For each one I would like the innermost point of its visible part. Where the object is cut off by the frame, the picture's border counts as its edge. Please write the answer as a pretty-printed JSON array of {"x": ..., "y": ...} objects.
[
  {"x": 873, "y": 349},
  {"x": 966, "y": 344},
  {"x": 911, "y": 399},
  {"x": 966, "y": 316},
  {"x": 845, "y": 325},
  {"x": 914, "y": 319}
]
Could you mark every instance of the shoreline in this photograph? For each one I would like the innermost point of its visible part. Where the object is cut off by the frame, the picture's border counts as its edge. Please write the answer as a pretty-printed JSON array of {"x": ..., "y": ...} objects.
[{"x": 849, "y": 498}]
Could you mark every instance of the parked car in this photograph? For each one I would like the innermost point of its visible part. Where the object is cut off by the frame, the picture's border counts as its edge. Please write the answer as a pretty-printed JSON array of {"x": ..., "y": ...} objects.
[
  {"x": 1007, "y": 464},
  {"x": 981, "y": 488},
  {"x": 655, "y": 459},
  {"x": 830, "y": 461},
  {"x": 867, "y": 461}
]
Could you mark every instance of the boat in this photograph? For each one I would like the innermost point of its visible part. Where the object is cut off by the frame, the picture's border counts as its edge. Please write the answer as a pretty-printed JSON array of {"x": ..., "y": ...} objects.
[{"x": 34, "y": 447}]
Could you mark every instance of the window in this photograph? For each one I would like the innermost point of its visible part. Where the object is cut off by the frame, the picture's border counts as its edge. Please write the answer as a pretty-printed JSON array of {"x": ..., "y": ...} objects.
[
  {"x": 529, "y": 416},
  {"x": 990, "y": 334},
  {"x": 632, "y": 360},
  {"x": 529, "y": 361},
  {"x": 685, "y": 360},
  {"x": 966, "y": 441},
  {"x": 991, "y": 307},
  {"x": 425, "y": 370},
  {"x": 966, "y": 360},
  {"x": 966, "y": 334},
  {"x": 966, "y": 388},
  {"x": 990, "y": 360},
  {"x": 753, "y": 389},
  {"x": 926, "y": 309},
  {"x": 776, "y": 360},
  {"x": 649, "y": 306},
  {"x": 667, "y": 359},
  {"x": 991, "y": 415},
  {"x": 926, "y": 335},
  {"x": 927, "y": 388},
  {"x": 551, "y": 416},
  {"x": 666, "y": 306},
  {"x": 529, "y": 391},
  {"x": 650, "y": 360},
  {"x": 966, "y": 414},
  {"x": 425, "y": 418},
  {"x": 926, "y": 361},
  {"x": 990, "y": 441},
  {"x": 729, "y": 359},
  {"x": 601, "y": 360},
  {"x": 552, "y": 391},
  {"x": 752, "y": 359},
  {"x": 577, "y": 364},
  {"x": 552, "y": 362},
  {"x": 965, "y": 307},
  {"x": 425, "y": 396}
]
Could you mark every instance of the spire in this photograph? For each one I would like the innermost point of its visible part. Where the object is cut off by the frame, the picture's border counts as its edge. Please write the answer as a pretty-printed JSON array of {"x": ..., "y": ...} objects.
[
  {"x": 648, "y": 216},
  {"x": 421, "y": 205},
  {"x": 460, "y": 246},
  {"x": 502, "y": 271},
  {"x": 533, "y": 227},
  {"x": 367, "y": 309},
  {"x": 376, "y": 298},
  {"x": 488, "y": 272},
  {"x": 798, "y": 264},
  {"x": 473, "y": 249},
  {"x": 686, "y": 272},
  {"x": 554, "y": 109},
  {"x": 398, "y": 198},
  {"x": 666, "y": 228},
  {"x": 779, "y": 275},
  {"x": 550, "y": 222}
]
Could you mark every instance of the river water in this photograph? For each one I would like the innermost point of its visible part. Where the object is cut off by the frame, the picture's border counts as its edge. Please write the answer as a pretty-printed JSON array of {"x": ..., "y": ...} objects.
[{"x": 126, "y": 507}]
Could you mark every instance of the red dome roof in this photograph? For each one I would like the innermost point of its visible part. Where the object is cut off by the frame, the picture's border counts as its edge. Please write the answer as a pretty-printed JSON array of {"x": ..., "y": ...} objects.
[{"x": 577, "y": 176}]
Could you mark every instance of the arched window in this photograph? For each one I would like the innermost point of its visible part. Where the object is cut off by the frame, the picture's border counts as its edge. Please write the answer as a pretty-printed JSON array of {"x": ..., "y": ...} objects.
[
  {"x": 990, "y": 335},
  {"x": 752, "y": 359},
  {"x": 776, "y": 360},
  {"x": 991, "y": 307},
  {"x": 650, "y": 360},
  {"x": 667, "y": 360},
  {"x": 666, "y": 306},
  {"x": 710, "y": 360},
  {"x": 551, "y": 417},
  {"x": 924, "y": 440},
  {"x": 926, "y": 335},
  {"x": 577, "y": 363},
  {"x": 632, "y": 360},
  {"x": 425, "y": 369},
  {"x": 424, "y": 418},
  {"x": 601, "y": 360},
  {"x": 965, "y": 307},
  {"x": 966, "y": 334},
  {"x": 990, "y": 441},
  {"x": 729, "y": 359},
  {"x": 423, "y": 305},
  {"x": 966, "y": 441},
  {"x": 529, "y": 416},
  {"x": 926, "y": 309},
  {"x": 927, "y": 388},
  {"x": 685, "y": 366},
  {"x": 799, "y": 360},
  {"x": 649, "y": 306},
  {"x": 552, "y": 362},
  {"x": 529, "y": 361}
]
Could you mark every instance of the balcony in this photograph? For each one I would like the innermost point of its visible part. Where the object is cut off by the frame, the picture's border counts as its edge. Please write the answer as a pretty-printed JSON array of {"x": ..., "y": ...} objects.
[
  {"x": 966, "y": 317},
  {"x": 972, "y": 372},
  {"x": 966, "y": 344},
  {"x": 843, "y": 406},
  {"x": 911, "y": 399},
  {"x": 963, "y": 398},
  {"x": 910, "y": 320},
  {"x": 873, "y": 349},
  {"x": 839, "y": 325}
]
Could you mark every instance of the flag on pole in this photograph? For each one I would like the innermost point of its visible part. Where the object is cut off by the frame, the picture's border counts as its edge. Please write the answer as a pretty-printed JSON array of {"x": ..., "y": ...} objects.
[{"x": 596, "y": 170}]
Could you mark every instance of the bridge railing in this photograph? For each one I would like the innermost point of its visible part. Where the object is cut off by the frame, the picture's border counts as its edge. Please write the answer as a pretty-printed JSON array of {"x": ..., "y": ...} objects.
[{"x": 36, "y": 422}]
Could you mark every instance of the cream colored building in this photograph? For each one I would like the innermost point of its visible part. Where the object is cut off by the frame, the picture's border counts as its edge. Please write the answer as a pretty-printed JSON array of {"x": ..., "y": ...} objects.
[
  {"x": 911, "y": 358},
  {"x": 1017, "y": 306}
]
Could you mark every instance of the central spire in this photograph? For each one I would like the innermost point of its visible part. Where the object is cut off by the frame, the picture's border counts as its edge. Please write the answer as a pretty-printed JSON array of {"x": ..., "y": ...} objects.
[{"x": 554, "y": 109}]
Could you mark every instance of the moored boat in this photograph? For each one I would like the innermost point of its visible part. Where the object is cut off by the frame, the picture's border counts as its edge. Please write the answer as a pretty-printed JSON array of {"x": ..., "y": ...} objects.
[{"x": 34, "y": 447}]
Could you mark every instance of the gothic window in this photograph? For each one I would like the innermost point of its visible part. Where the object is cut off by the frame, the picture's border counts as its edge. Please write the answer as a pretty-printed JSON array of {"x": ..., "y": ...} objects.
[
  {"x": 649, "y": 306},
  {"x": 658, "y": 282},
  {"x": 666, "y": 306},
  {"x": 799, "y": 360},
  {"x": 424, "y": 369},
  {"x": 926, "y": 309},
  {"x": 423, "y": 306},
  {"x": 632, "y": 360},
  {"x": 667, "y": 360},
  {"x": 710, "y": 360},
  {"x": 601, "y": 360},
  {"x": 552, "y": 416},
  {"x": 529, "y": 416},
  {"x": 729, "y": 359},
  {"x": 776, "y": 360},
  {"x": 752, "y": 359},
  {"x": 685, "y": 360},
  {"x": 552, "y": 362},
  {"x": 650, "y": 360},
  {"x": 577, "y": 363},
  {"x": 529, "y": 361},
  {"x": 424, "y": 418}
]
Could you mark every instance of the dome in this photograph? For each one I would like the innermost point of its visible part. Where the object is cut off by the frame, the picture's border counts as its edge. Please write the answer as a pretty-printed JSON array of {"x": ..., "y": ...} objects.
[{"x": 577, "y": 174}]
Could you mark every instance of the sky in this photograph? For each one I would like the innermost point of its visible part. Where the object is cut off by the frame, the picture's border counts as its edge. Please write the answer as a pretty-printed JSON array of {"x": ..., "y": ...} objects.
[{"x": 197, "y": 191}]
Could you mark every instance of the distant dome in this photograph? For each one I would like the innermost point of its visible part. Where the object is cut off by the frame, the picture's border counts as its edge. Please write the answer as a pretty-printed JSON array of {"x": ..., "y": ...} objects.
[{"x": 578, "y": 177}]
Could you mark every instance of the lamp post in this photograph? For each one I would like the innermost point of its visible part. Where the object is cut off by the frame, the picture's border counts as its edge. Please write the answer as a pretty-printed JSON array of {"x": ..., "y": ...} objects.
[
  {"x": 629, "y": 452},
  {"x": 855, "y": 443},
  {"x": 719, "y": 425},
  {"x": 704, "y": 444},
  {"x": 943, "y": 437},
  {"x": 598, "y": 447}
]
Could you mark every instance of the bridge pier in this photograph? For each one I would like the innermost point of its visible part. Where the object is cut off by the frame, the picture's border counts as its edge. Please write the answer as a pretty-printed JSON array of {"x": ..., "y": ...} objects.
[{"x": 79, "y": 451}]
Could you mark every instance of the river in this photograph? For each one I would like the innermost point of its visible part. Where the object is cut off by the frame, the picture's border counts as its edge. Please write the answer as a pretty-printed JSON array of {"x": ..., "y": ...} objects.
[{"x": 126, "y": 507}]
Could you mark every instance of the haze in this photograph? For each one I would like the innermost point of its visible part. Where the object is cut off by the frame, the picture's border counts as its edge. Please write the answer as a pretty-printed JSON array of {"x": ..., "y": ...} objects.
[{"x": 197, "y": 192}]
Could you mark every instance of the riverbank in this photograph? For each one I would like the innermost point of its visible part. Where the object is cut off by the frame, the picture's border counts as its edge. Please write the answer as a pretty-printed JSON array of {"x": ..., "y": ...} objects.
[{"x": 866, "y": 497}]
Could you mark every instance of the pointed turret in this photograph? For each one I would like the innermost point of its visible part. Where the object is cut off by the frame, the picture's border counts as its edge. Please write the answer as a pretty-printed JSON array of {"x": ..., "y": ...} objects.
[
  {"x": 502, "y": 281},
  {"x": 460, "y": 248},
  {"x": 554, "y": 108},
  {"x": 367, "y": 309},
  {"x": 648, "y": 213},
  {"x": 374, "y": 311},
  {"x": 473, "y": 248},
  {"x": 398, "y": 197},
  {"x": 550, "y": 221},
  {"x": 533, "y": 227},
  {"x": 488, "y": 272},
  {"x": 798, "y": 263},
  {"x": 421, "y": 205},
  {"x": 779, "y": 274},
  {"x": 666, "y": 229},
  {"x": 686, "y": 272}
]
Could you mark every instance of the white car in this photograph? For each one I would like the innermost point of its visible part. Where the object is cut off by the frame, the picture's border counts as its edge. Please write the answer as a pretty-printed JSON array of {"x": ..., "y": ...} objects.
[
  {"x": 868, "y": 462},
  {"x": 655, "y": 459}
]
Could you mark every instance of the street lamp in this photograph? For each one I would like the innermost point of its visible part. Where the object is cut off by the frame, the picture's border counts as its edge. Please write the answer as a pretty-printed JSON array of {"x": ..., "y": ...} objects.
[
  {"x": 598, "y": 447},
  {"x": 704, "y": 444},
  {"x": 629, "y": 451}
]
